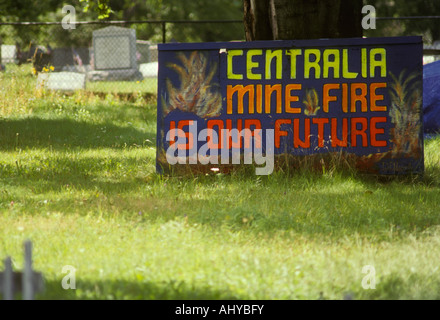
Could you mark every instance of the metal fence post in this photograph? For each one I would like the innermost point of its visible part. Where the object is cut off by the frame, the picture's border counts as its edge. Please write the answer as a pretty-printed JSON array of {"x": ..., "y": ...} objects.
[
  {"x": 28, "y": 287},
  {"x": 164, "y": 32},
  {"x": 8, "y": 280}
]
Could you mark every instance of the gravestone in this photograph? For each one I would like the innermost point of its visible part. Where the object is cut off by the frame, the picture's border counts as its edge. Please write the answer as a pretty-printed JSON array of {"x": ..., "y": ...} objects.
[
  {"x": 8, "y": 54},
  {"x": 149, "y": 70},
  {"x": 64, "y": 59},
  {"x": 154, "y": 53},
  {"x": 64, "y": 81},
  {"x": 149, "y": 67},
  {"x": 431, "y": 53},
  {"x": 114, "y": 55},
  {"x": 142, "y": 51}
]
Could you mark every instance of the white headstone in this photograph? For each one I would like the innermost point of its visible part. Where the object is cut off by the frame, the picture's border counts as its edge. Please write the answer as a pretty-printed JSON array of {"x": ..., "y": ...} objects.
[
  {"x": 114, "y": 48},
  {"x": 149, "y": 70},
  {"x": 8, "y": 53},
  {"x": 65, "y": 81}
]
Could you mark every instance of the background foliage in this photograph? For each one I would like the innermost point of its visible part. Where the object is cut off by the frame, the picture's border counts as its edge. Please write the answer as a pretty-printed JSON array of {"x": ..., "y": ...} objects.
[
  {"x": 22, "y": 10},
  {"x": 130, "y": 10},
  {"x": 429, "y": 28}
]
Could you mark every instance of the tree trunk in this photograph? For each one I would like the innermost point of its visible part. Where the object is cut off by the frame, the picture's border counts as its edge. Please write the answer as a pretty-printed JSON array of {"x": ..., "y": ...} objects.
[{"x": 302, "y": 19}]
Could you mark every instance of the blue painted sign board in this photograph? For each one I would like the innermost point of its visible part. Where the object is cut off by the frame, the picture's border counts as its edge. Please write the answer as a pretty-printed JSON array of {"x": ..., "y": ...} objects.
[{"x": 356, "y": 99}]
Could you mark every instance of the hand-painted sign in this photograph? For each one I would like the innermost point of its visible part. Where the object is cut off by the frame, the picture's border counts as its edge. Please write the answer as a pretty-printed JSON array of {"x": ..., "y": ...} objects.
[{"x": 287, "y": 102}]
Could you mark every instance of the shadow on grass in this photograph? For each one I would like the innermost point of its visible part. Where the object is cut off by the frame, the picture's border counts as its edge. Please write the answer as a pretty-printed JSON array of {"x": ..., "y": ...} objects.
[
  {"x": 389, "y": 287},
  {"x": 305, "y": 203},
  {"x": 381, "y": 208},
  {"x": 66, "y": 133},
  {"x": 133, "y": 290},
  {"x": 125, "y": 112},
  {"x": 109, "y": 174},
  {"x": 313, "y": 212},
  {"x": 397, "y": 286}
]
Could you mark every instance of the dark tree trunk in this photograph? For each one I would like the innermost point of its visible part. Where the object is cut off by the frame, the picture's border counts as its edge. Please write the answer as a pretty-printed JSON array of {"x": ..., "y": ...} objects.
[
  {"x": 257, "y": 22},
  {"x": 302, "y": 19}
]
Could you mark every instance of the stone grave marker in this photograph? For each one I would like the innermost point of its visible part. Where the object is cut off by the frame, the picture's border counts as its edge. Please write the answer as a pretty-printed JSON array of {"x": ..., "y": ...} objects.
[
  {"x": 114, "y": 50},
  {"x": 67, "y": 58},
  {"x": 64, "y": 81},
  {"x": 142, "y": 51},
  {"x": 8, "y": 53},
  {"x": 149, "y": 70}
]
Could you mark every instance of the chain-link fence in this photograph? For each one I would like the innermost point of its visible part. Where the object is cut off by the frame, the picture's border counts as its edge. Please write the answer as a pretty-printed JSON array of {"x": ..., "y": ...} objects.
[
  {"x": 102, "y": 57},
  {"x": 426, "y": 26},
  {"x": 121, "y": 56}
]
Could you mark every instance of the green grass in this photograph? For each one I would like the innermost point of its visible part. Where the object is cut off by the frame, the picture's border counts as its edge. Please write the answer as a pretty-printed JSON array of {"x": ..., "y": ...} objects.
[
  {"x": 24, "y": 74},
  {"x": 146, "y": 85},
  {"x": 77, "y": 176}
]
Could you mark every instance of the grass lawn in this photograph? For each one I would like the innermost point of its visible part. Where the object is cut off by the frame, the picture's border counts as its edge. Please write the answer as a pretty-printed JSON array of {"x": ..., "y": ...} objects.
[
  {"x": 77, "y": 177},
  {"x": 146, "y": 85}
]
